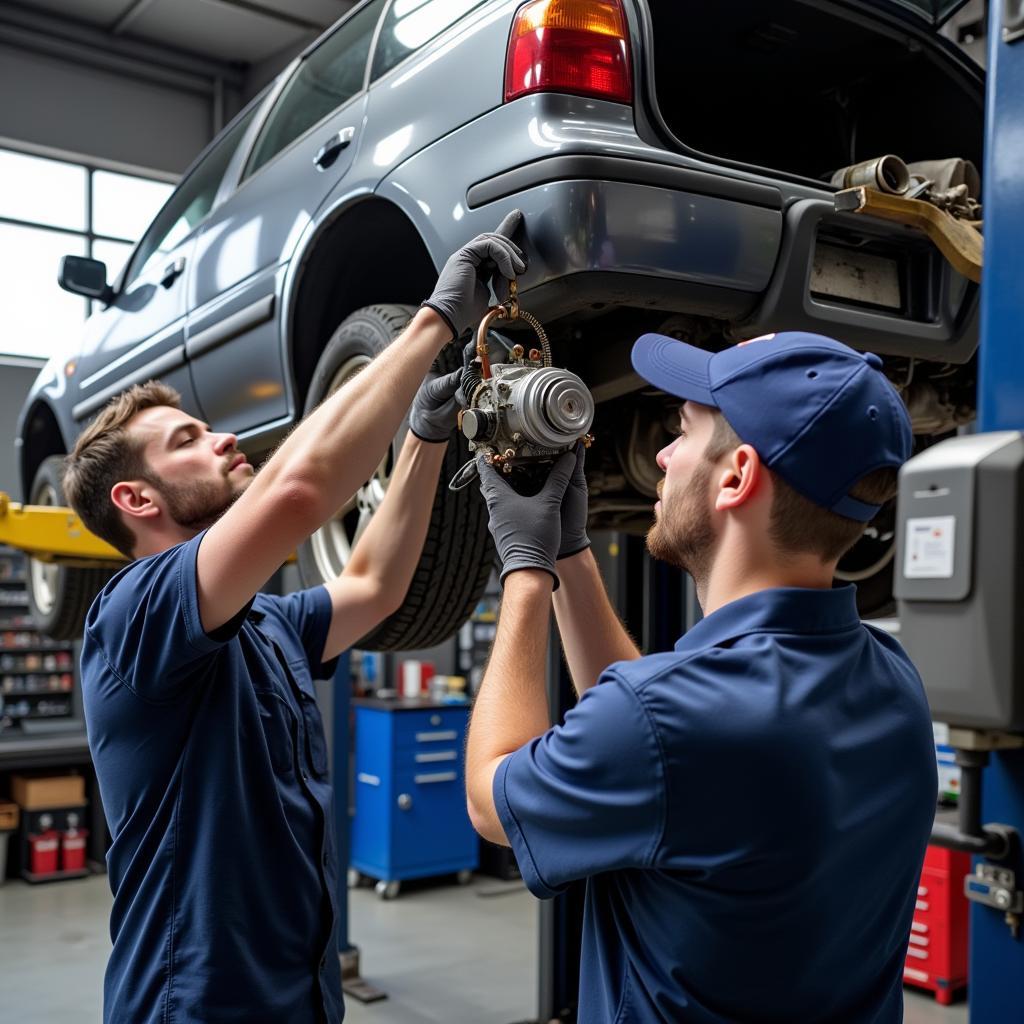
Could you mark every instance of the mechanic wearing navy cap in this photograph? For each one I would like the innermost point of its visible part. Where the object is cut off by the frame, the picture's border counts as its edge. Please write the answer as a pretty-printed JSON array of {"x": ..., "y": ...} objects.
[{"x": 751, "y": 810}]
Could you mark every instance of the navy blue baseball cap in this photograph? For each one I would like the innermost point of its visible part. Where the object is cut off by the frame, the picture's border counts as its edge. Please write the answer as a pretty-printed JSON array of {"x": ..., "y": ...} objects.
[{"x": 819, "y": 413}]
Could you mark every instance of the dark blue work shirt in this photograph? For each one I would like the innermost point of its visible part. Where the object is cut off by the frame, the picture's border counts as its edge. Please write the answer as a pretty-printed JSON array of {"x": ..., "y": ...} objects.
[
  {"x": 751, "y": 812},
  {"x": 212, "y": 765}
]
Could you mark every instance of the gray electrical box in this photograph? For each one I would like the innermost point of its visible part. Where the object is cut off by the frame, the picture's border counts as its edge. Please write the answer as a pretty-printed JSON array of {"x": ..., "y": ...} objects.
[{"x": 959, "y": 577}]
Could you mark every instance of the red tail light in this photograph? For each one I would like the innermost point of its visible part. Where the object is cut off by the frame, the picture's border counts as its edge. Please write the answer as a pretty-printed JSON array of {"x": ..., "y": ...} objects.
[{"x": 576, "y": 46}]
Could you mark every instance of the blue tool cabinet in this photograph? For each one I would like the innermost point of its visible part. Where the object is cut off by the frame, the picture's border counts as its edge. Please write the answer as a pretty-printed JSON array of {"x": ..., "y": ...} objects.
[{"x": 410, "y": 819}]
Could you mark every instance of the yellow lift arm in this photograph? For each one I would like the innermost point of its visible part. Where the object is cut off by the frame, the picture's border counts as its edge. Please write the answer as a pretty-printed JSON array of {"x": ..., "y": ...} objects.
[{"x": 52, "y": 534}]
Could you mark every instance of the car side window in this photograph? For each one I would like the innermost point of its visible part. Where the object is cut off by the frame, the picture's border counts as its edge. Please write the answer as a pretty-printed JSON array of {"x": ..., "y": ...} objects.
[
  {"x": 191, "y": 201},
  {"x": 410, "y": 24},
  {"x": 325, "y": 79}
]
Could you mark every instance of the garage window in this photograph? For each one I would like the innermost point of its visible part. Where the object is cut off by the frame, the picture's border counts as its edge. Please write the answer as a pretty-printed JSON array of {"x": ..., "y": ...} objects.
[
  {"x": 326, "y": 78},
  {"x": 410, "y": 24},
  {"x": 51, "y": 208}
]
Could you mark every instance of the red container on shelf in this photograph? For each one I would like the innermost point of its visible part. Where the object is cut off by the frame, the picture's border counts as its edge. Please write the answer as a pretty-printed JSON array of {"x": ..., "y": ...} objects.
[
  {"x": 43, "y": 849},
  {"x": 72, "y": 849},
  {"x": 426, "y": 674}
]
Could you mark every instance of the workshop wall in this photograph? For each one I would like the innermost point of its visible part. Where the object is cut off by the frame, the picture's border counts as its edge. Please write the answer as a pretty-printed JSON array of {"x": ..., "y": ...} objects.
[{"x": 95, "y": 113}]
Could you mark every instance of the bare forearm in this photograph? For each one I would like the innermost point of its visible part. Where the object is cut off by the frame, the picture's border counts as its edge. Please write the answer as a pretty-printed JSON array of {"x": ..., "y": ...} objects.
[
  {"x": 339, "y": 444},
  {"x": 592, "y": 635},
  {"x": 389, "y": 549},
  {"x": 511, "y": 708}
]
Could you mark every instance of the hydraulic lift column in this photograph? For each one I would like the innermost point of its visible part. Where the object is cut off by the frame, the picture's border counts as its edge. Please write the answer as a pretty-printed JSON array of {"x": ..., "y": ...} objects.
[
  {"x": 961, "y": 577},
  {"x": 997, "y": 956}
]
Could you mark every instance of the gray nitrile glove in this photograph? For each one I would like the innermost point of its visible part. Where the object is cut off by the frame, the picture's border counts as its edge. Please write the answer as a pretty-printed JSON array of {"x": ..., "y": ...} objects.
[
  {"x": 461, "y": 295},
  {"x": 526, "y": 530},
  {"x": 574, "y": 510},
  {"x": 470, "y": 375},
  {"x": 434, "y": 410}
]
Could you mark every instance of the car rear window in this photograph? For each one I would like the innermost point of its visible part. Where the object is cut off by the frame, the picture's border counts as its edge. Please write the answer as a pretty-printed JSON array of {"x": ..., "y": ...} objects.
[{"x": 410, "y": 24}]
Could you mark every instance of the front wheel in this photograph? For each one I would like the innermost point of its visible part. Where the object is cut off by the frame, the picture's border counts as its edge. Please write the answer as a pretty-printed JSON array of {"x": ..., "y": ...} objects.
[{"x": 457, "y": 553}]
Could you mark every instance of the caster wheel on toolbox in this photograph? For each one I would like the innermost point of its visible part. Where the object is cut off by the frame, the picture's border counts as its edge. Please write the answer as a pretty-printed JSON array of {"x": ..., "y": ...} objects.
[
  {"x": 464, "y": 877},
  {"x": 355, "y": 878},
  {"x": 387, "y": 890}
]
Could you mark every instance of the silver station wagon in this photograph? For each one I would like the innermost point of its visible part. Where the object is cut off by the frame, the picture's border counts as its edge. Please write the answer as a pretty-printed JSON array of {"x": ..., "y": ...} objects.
[{"x": 673, "y": 161}]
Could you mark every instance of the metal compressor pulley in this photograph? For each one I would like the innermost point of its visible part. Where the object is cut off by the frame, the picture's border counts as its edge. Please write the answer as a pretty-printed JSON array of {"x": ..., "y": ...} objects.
[
  {"x": 522, "y": 411},
  {"x": 531, "y": 410}
]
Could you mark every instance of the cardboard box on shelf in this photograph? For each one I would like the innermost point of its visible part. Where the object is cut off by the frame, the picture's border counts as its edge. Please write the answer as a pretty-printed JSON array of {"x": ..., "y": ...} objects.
[
  {"x": 33, "y": 793},
  {"x": 8, "y": 816}
]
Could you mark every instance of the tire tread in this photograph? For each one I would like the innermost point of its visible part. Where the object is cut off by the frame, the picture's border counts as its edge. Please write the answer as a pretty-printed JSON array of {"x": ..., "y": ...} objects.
[{"x": 457, "y": 552}]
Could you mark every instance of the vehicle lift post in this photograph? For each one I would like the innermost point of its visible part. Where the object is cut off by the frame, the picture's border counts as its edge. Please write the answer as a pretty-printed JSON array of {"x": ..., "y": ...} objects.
[{"x": 996, "y": 954}]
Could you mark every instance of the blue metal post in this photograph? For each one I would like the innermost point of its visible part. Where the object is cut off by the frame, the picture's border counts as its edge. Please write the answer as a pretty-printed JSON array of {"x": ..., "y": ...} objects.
[
  {"x": 1001, "y": 359},
  {"x": 342, "y": 742},
  {"x": 996, "y": 956}
]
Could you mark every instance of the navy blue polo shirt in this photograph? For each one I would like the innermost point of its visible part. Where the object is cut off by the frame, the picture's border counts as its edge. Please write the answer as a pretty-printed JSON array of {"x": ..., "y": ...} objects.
[
  {"x": 751, "y": 812},
  {"x": 212, "y": 765}
]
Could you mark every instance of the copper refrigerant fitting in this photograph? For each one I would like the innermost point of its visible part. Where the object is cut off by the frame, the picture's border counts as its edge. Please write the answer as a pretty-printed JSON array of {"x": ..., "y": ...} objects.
[
  {"x": 510, "y": 310},
  {"x": 503, "y": 461}
]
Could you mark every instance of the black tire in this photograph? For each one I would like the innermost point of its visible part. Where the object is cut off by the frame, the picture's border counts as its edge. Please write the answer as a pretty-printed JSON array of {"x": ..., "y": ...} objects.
[
  {"x": 869, "y": 564},
  {"x": 59, "y": 596},
  {"x": 457, "y": 553}
]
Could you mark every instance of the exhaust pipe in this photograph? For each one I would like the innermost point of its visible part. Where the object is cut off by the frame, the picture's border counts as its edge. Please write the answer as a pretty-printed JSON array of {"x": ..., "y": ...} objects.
[{"x": 884, "y": 174}]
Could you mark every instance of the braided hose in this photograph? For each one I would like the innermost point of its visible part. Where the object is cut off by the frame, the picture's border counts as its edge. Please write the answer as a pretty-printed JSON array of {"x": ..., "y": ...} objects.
[{"x": 541, "y": 334}]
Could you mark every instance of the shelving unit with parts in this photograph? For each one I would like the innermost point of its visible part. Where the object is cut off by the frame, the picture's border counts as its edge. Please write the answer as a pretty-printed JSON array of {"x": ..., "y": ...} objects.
[{"x": 37, "y": 675}]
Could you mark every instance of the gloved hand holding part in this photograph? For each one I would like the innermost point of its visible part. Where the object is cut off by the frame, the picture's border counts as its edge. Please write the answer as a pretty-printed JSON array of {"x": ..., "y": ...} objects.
[
  {"x": 462, "y": 295},
  {"x": 575, "y": 508},
  {"x": 434, "y": 411},
  {"x": 527, "y": 529}
]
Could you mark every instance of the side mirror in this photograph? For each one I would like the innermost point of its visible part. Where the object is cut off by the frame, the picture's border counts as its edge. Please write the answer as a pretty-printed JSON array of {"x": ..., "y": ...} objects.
[{"x": 83, "y": 276}]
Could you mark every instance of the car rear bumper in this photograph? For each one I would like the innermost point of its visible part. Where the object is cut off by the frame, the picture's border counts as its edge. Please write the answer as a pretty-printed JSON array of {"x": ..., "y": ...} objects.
[{"x": 613, "y": 221}]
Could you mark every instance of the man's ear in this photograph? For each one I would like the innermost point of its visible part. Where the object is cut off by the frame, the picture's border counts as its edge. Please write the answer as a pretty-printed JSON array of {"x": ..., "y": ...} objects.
[
  {"x": 740, "y": 480},
  {"x": 137, "y": 500}
]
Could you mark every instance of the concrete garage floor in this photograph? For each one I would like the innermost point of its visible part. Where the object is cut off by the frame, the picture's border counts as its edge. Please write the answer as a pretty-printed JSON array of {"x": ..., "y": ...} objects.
[{"x": 443, "y": 953}]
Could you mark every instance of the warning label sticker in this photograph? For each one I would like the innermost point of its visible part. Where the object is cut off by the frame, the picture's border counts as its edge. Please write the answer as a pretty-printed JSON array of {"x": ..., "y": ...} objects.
[{"x": 929, "y": 548}]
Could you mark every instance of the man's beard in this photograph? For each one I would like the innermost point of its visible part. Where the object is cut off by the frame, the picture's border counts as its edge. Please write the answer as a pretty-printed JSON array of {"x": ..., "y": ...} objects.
[
  {"x": 197, "y": 505},
  {"x": 683, "y": 535}
]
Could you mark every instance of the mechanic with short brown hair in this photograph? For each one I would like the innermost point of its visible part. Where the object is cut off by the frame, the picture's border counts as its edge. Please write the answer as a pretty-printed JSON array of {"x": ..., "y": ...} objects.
[
  {"x": 751, "y": 810},
  {"x": 199, "y": 700}
]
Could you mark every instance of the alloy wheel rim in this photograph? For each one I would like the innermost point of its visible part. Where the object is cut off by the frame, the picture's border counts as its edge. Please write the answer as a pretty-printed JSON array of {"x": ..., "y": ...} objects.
[{"x": 333, "y": 543}]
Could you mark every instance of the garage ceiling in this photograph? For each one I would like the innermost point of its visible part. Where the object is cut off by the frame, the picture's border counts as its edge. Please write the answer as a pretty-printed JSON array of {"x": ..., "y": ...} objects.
[{"x": 242, "y": 31}]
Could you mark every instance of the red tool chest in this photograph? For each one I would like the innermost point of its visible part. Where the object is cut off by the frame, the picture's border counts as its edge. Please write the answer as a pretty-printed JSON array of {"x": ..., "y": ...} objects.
[{"x": 937, "y": 954}]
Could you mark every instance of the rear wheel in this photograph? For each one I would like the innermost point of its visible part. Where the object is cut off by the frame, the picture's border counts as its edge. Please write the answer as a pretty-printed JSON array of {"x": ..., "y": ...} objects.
[
  {"x": 59, "y": 596},
  {"x": 869, "y": 565},
  {"x": 457, "y": 553}
]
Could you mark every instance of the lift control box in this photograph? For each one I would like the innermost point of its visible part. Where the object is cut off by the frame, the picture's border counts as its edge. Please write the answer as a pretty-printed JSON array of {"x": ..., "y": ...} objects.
[{"x": 959, "y": 577}]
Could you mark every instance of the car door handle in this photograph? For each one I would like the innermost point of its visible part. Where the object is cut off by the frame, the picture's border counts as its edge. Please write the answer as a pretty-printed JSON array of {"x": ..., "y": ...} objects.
[
  {"x": 328, "y": 152},
  {"x": 172, "y": 271}
]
